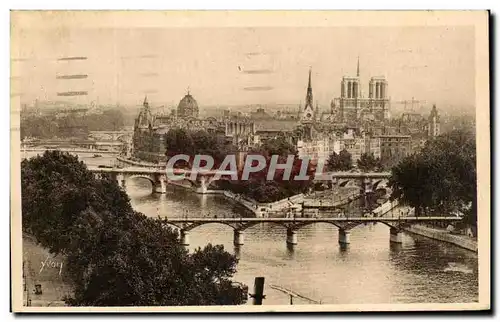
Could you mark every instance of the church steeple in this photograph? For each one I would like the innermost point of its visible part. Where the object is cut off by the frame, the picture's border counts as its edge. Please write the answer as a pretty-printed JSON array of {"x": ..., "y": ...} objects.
[
  {"x": 309, "y": 95},
  {"x": 145, "y": 104},
  {"x": 357, "y": 69},
  {"x": 307, "y": 114}
]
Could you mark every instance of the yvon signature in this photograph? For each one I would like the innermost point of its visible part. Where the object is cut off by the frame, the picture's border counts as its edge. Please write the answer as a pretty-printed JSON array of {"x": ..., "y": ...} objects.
[{"x": 51, "y": 264}]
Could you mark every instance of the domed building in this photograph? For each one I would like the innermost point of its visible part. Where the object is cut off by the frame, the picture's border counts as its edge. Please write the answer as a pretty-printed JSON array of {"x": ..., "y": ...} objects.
[{"x": 188, "y": 107}]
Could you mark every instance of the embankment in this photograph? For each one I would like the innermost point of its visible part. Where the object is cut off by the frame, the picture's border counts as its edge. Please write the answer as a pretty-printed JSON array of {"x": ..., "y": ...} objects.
[{"x": 444, "y": 236}]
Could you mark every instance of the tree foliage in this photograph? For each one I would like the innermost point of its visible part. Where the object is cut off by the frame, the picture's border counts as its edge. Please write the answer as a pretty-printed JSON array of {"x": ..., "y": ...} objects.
[
  {"x": 115, "y": 255},
  {"x": 257, "y": 187},
  {"x": 71, "y": 125},
  {"x": 340, "y": 162},
  {"x": 441, "y": 178},
  {"x": 367, "y": 162},
  {"x": 262, "y": 190}
]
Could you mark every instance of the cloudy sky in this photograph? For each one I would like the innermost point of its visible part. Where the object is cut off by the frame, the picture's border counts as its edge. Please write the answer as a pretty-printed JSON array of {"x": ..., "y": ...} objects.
[{"x": 224, "y": 66}]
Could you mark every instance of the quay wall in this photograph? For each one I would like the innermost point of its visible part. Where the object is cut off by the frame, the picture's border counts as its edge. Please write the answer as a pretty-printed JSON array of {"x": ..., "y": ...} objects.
[
  {"x": 444, "y": 236},
  {"x": 260, "y": 209},
  {"x": 95, "y": 151}
]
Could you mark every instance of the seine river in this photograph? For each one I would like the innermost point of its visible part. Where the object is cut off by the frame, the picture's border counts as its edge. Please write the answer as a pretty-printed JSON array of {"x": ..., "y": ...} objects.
[{"x": 369, "y": 271}]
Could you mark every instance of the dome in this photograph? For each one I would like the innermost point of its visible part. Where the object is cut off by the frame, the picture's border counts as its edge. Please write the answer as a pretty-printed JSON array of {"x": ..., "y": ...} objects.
[{"x": 188, "y": 107}]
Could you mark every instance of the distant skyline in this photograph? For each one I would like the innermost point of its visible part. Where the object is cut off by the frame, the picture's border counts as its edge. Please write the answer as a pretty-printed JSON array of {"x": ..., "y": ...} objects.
[{"x": 239, "y": 66}]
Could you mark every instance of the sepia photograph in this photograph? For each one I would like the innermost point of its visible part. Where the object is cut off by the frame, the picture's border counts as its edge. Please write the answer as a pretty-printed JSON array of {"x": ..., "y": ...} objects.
[{"x": 249, "y": 161}]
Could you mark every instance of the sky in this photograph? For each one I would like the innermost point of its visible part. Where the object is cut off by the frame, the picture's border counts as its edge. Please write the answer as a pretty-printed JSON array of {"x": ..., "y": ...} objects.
[{"x": 239, "y": 66}]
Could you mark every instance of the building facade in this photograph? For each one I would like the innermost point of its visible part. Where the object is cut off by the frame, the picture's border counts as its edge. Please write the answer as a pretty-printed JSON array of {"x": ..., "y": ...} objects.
[
  {"x": 433, "y": 125},
  {"x": 354, "y": 107},
  {"x": 317, "y": 150},
  {"x": 394, "y": 147}
]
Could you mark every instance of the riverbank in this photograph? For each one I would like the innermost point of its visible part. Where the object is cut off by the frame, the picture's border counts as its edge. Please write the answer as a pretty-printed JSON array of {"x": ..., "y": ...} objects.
[
  {"x": 260, "y": 209},
  {"x": 43, "y": 271},
  {"x": 71, "y": 151},
  {"x": 123, "y": 161},
  {"x": 444, "y": 236}
]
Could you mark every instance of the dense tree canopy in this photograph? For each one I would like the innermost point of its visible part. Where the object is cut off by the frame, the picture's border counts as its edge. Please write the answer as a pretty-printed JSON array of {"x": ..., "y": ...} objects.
[
  {"x": 441, "y": 178},
  {"x": 115, "y": 255},
  {"x": 257, "y": 187},
  {"x": 181, "y": 141},
  {"x": 367, "y": 162},
  {"x": 340, "y": 162},
  {"x": 70, "y": 125}
]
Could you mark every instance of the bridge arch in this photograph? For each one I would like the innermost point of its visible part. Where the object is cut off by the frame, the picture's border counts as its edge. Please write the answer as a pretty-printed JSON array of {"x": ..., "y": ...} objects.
[
  {"x": 273, "y": 223},
  {"x": 149, "y": 178},
  {"x": 124, "y": 137},
  {"x": 348, "y": 225},
  {"x": 101, "y": 136},
  {"x": 190, "y": 226},
  {"x": 395, "y": 225}
]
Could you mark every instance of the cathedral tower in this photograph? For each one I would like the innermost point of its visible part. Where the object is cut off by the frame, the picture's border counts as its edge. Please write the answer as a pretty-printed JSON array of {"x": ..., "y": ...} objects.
[{"x": 350, "y": 96}]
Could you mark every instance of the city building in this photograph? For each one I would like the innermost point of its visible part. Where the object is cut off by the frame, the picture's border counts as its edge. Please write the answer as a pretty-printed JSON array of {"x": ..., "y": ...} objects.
[
  {"x": 433, "y": 125},
  {"x": 149, "y": 129},
  {"x": 188, "y": 107},
  {"x": 394, "y": 147},
  {"x": 317, "y": 149}
]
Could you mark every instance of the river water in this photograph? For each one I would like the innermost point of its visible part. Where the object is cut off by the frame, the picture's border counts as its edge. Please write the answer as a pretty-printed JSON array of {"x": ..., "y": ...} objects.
[{"x": 369, "y": 271}]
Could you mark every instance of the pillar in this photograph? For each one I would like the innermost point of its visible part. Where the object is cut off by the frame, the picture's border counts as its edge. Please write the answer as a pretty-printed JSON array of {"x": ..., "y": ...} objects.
[
  {"x": 396, "y": 236},
  {"x": 184, "y": 238},
  {"x": 344, "y": 236},
  {"x": 160, "y": 186},
  {"x": 291, "y": 237},
  {"x": 238, "y": 238},
  {"x": 203, "y": 186},
  {"x": 120, "y": 179}
]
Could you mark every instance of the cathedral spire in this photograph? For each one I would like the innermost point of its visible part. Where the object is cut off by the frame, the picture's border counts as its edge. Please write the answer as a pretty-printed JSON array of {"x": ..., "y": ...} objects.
[
  {"x": 145, "y": 104},
  {"x": 309, "y": 96},
  {"x": 357, "y": 70}
]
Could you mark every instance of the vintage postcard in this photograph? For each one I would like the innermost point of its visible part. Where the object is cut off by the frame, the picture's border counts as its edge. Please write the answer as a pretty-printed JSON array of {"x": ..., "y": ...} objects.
[{"x": 241, "y": 161}]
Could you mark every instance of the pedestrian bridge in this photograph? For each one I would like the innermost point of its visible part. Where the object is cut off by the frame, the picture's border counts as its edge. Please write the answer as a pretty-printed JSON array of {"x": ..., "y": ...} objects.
[{"x": 344, "y": 225}]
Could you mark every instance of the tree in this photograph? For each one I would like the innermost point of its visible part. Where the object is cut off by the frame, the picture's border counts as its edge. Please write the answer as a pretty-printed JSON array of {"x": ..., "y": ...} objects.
[
  {"x": 278, "y": 146},
  {"x": 178, "y": 141},
  {"x": 116, "y": 256},
  {"x": 367, "y": 162},
  {"x": 340, "y": 162},
  {"x": 441, "y": 178}
]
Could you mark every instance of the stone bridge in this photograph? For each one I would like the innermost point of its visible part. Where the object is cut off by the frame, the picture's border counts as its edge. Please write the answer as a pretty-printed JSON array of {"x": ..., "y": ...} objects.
[
  {"x": 159, "y": 178},
  {"x": 366, "y": 181},
  {"x": 122, "y": 136},
  {"x": 344, "y": 225}
]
